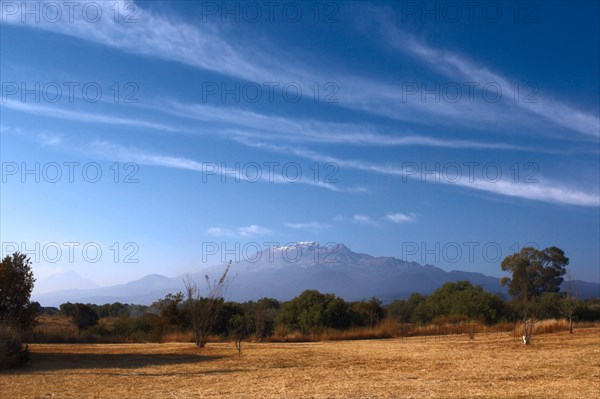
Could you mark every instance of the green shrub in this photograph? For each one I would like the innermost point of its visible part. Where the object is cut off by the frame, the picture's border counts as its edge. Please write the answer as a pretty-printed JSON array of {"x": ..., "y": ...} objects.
[{"x": 85, "y": 316}]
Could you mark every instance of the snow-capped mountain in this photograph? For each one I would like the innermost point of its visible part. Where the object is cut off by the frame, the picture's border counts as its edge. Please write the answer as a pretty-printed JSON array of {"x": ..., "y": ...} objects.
[{"x": 283, "y": 272}]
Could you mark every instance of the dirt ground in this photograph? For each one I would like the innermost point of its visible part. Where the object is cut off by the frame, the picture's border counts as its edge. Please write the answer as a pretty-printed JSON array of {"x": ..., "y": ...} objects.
[{"x": 493, "y": 366}]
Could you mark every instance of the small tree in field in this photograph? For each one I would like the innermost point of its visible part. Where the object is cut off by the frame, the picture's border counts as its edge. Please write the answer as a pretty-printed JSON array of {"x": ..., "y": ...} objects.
[
  {"x": 569, "y": 301},
  {"x": 240, "y": 327},
  {"x": 533, "y": 272},
  {"x": 204, "y": 311}
]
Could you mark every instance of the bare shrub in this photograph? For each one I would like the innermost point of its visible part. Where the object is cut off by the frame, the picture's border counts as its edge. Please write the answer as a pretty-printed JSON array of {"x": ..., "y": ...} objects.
[{"x": 204, "y": 311}]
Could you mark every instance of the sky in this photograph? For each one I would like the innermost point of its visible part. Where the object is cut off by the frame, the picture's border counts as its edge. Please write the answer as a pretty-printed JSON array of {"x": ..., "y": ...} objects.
[{"x": 162, "y": 137}]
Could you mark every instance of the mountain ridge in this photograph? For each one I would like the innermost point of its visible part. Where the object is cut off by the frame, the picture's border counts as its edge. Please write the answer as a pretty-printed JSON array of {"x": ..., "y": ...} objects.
[{"x": 284, "y": 272}]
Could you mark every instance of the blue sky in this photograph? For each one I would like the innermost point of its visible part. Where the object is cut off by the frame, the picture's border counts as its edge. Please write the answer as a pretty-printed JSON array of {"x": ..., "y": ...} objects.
[{"x": 433, "y": 132}]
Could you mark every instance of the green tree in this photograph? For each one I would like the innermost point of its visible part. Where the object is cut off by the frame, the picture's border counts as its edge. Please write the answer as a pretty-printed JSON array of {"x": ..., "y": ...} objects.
[
  {"x": 587, "y": 311},
  {"x": 338, "y": 313},
  {"x": 305, "y": 312},
  {"x": 549, "y": 305},
  {"x": 85, "y": 316},
  {"x": 240, "y": 327},
  {"x": 227, "y": 311},
  {"x": 460, "y": 298},
  {"x": 264, "y": 315},
  {"x": 311, "y": 311},
  {"x": 16, "y": 284},
  {"x": 67, "y": 309},
  {"x": 117, "y": 309},
  {"x": 17, "y": 313},
  {"x": 403, "y": 310},
  {"x": 370, "y": 312},
  {"x": 534, "y": 272},
  {"x": 170, "y": 309}
]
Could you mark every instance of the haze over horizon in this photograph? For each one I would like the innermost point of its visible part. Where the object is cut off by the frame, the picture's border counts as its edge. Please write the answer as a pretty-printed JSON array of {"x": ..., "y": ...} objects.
[
  {"x": 294, "y": 255},
  {"x": 155, "y": 137},
  {"x": 284, "y": 272}
]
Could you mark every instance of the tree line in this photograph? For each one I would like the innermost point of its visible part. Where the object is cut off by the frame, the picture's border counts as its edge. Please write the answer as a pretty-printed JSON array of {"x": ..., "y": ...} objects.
[
  {"x": 534, "y": 288},
  {"x": 313, "y": 311}
]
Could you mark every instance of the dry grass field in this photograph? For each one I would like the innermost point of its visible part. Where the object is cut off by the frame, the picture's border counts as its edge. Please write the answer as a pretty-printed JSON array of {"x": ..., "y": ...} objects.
[{"x": 494, "y": 366}]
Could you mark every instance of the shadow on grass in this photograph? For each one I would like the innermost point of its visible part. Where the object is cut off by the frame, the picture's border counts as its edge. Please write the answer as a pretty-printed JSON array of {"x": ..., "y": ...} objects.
[{"x": 51, "y": 361}]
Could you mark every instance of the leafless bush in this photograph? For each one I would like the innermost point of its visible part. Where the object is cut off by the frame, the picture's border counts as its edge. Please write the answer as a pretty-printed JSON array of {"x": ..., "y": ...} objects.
[{"x": 204, "y": 311}]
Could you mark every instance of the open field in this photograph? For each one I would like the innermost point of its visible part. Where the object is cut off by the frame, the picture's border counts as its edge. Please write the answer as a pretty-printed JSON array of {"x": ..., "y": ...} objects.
[{"x": 494, "y": 366}]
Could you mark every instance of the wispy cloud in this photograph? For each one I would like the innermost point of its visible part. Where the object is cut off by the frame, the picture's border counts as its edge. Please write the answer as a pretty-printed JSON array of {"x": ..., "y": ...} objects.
[
  {"x": 243, "y": 231},
  {"x": 80, "y": 116},
  {"x": 263, "y": 126},
  {"x": 50, "y": 139},
  {"x": 220, "y": 232},
  {"x": 199, "y": 45},
  {"x": 309, "y": 226},
  {"x": 253, "y": 230},
  {"x": 546, "y": 191},
  {"x": 458, "y": 67},
  {"x": 552, "y": 110},
  {"x": 363, "y": 219},
  {"x": 103, "y": 148},
  {"x": 310, "y": 130},
  {"x": 358, "y": 218},
  {"x": 399, "y": 217},
  {"x": 206, "y": 46},
  {"x": 154, "y": 159},
  {"x": 41, "y": 138}
]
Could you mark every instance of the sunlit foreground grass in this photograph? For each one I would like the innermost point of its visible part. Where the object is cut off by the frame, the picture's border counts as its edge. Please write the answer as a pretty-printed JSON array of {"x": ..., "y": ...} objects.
[{"x": 491, "y": 366}]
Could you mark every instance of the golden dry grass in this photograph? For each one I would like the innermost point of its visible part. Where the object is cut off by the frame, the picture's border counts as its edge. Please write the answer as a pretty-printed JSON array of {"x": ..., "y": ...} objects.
[{"x": 493, "y": 366}]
